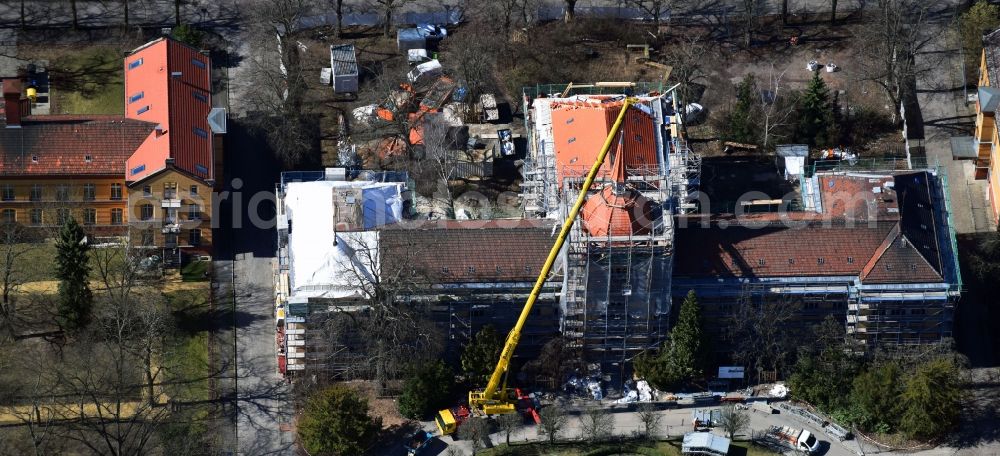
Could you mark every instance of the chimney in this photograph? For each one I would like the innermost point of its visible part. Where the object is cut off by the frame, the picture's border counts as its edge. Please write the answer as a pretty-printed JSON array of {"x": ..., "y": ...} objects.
[{"x": 13, "y": 107}]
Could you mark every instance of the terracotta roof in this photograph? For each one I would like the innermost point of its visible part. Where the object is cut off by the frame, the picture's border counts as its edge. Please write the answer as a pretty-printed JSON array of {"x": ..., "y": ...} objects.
[
  {"x": 623, "y": 212},
  {"x": 456, "y": 251},
  {"x": 897, "y": 261},
  {"x": 858, "y": 197},
  {"x": 772, "y": 249},
  {"x": 60, "y": 145},
  {"x": 579, "y": 130}
]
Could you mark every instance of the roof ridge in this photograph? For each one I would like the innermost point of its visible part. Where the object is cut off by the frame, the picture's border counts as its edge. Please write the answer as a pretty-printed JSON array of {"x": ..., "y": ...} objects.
[{"x": 880, "y": 251}]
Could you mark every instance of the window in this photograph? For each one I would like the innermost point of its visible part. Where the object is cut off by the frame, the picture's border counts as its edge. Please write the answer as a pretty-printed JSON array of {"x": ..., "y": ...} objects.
[
  {"x": 8, "y": 192},
  {"x": 62, "y": 193},
  {"x": 200, "y": 133},
  {"x": 9, "y": 216},
  {"x": 142, "y": 110},
  {"x": 138, "y": 169},
  {"x": 88, "y": 158},
  {"x": 820, "y": 261},
  {"x": 116, "y": 192},
  {"x": 136, "y": 97},
  {"x": 760, "y": 262},
  {"x": 194, "y": 212},
  {"x": 471, "y": 269},
  {"x": 89, "y": 216},
  {"x": 134, "y": 64},
  {"x": 791, "y": 261},
  {"x": 194, "y": 237},
  {"x": 194, "y": 190},
  {"x": 117, "y": 216},
  {"x": 36, "y": 217},
  {"x": 146, "y": 212},
  {"x": 199, "y": 63},
  {"x": 34, "y": 159},
  {"x": 147, "y": 190},
  {"x": 199, "y": 96},
  {"x": 89, "y": 192},
  {"x": 36, "y": 193},
  {"x": 62, "y": 215},
  {"x": 850, "y": 260},
  {"x": 170, "y": 190}
]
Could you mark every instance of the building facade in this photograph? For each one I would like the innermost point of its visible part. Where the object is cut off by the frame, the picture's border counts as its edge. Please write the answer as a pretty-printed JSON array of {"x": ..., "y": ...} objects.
[
  {"x": 148, "y": 175},
  {"x": 987, "y": 135}
]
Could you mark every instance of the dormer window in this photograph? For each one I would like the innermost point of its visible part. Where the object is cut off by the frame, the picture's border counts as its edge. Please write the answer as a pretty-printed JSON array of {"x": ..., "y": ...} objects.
[
  {"x": 88, "y": 158},
  {"x": 34, "y": 159}
]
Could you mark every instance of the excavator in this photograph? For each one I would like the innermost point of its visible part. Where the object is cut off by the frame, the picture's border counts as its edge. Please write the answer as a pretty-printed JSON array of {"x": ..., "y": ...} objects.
[{"x": 497, "y": 398}]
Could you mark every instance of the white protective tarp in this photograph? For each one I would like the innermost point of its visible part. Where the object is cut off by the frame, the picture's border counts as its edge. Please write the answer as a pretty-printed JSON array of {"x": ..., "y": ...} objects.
[{"x": 328, "y": 264}]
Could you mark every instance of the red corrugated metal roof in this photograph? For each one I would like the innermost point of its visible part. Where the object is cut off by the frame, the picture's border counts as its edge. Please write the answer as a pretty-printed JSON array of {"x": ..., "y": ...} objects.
[{"x": 169, "y": 83}]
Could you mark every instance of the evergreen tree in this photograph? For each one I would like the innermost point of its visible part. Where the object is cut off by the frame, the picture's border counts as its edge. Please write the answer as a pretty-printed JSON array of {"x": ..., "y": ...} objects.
[
  {"x": 815, "y": 116},
  {"x": 481, "y": 355},
  {"x": 931, "y": 400},
  {"x": 741, "y": 123},
  {"x": 684, "y": 357},
  {"x": 426, "y": 390},
  {"x": 73, "y": 270},
  {"x": 875, "y": 398},
  {"x": 336, "y": 421}
]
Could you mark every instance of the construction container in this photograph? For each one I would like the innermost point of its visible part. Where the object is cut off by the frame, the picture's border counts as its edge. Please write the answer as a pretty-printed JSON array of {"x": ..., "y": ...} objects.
[
  {"x": 344, "y": 63},
  {"x": 410, "y": 38}
]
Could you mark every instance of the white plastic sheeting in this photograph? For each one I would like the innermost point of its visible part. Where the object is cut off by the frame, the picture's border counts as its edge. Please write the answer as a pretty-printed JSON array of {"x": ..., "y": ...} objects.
[{"x": 329, "y": 264}]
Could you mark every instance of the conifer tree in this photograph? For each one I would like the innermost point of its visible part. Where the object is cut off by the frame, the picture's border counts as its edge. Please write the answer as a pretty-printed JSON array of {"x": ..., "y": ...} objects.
[
  {"x": 816, "y": 117},
  {"x": 73, "y": 270}
]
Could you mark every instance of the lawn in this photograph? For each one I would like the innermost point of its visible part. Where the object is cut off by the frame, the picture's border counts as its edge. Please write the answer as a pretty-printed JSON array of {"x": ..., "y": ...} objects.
[
  {"x": 88, "y": 82},
  {"x": 186, "y": 349},
  {"x": 195, "y": 271}
]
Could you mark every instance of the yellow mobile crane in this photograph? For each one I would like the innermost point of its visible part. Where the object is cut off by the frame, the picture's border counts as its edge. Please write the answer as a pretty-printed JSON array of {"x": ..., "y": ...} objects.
[{"x": 497, "y": 398}]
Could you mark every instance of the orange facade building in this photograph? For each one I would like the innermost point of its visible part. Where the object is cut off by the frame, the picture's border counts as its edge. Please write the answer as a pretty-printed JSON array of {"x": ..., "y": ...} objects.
[{"x": 148, "y": 175}]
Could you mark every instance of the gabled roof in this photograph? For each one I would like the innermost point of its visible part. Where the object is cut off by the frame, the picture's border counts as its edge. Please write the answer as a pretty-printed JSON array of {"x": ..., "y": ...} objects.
[
  {"x": 169, "y": 83},
  {"x": 61, "y": 145},
  {"x": 463, "y": 251},
  {"x": 897, "y": 261}
]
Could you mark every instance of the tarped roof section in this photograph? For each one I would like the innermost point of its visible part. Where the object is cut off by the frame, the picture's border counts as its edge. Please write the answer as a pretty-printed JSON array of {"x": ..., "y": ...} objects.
[
  {"x": 704, "y": 443},
  {"x": 327, "y": 263}
]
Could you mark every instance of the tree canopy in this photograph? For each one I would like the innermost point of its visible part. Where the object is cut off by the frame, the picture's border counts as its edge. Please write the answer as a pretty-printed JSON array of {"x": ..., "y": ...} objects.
[
  {"x": 73, "y": 271},
  {"x": 684, "y": 357},
  {"x": 336, "y": 422},
  {"x": 815, "y": 117},
  {"x": 426, "y": 390},
  {"x": 481, "y": 355}
]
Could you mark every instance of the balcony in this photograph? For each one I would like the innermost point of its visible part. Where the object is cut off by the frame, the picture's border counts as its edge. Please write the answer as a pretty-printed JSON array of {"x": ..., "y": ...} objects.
[
  {"x": 170, "y": 202},
  {"x": 856, "y": 307}
]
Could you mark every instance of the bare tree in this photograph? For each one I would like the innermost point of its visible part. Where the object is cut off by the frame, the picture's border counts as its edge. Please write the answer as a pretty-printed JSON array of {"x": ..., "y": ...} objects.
[
  {"x": 650, "y": 419},
  {"x": 396, "y": 331},
  {"x": 688, "y": 61},
  {"x": 750, "y": 12},
  {"x": 473, "y": 61},
  {"x": 338, "y": 8},
  {"x": 14, "y": 271},
  {"x": 776, "y": 106},
  {"x": 570, "y": 14},
  {"x": 553, "y": 421},
  {"x": 72, "y": 6},
  {"x": 597, "y": 424},
  {"x": 833, "y": 12},
  {"x": 734, "y": 421},
  {"x": 388, "y": 10},
  {"x": 655, "y": 9},
  {"x": 509, "y": 423},
  {"x": 475, "y": 430},
  {"x": 889, "y": 44},
  {"x": 439, "y": 155},
  {"x": 177, "y": 12},
  {"x": 758, "y": 330}
]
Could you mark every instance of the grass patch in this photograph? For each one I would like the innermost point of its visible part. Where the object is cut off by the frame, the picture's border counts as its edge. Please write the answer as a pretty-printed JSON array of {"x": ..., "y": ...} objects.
[
  {"x": 186, "y": 350},
  {"x": 88, "y": 82},
  {"x": 195, "y": 271}
]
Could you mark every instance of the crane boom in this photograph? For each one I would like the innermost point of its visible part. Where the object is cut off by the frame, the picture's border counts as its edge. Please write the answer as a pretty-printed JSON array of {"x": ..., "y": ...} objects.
[{"x": 494, "y": 398}]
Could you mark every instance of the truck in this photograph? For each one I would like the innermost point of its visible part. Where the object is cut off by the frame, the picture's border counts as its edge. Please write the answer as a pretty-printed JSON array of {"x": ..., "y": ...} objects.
[
  {"x": 793, "y": 439},
  {"x": 418, "y": 442}
]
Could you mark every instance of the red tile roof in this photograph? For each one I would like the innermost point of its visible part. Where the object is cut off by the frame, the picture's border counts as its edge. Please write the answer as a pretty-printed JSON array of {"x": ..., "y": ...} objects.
[
  {"x": 617, "y": 213},
  {"x": 61, "y": 145},
  {"x": 874, "y": 251},
  {"x": 457, "y": 251},
  {"x": 579, "y": 130}
]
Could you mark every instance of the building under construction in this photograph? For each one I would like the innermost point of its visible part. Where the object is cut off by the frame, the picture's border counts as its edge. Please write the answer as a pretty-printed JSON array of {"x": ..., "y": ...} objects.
[{"x": 616, "y": 298}]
